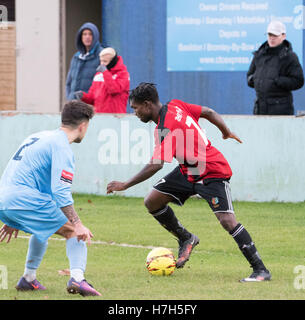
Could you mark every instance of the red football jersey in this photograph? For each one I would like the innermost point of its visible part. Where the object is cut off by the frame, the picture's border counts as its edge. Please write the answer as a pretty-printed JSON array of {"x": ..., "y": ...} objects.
[{"x": 178, "y": 135}]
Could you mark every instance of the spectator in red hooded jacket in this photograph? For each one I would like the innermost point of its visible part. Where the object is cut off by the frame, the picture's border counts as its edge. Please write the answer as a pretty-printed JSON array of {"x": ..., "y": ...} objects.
[{"x": 110, "y": 87}]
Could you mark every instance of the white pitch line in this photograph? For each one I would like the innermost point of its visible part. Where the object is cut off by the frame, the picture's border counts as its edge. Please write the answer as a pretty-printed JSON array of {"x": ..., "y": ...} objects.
[{"x": 103, "y": 243}]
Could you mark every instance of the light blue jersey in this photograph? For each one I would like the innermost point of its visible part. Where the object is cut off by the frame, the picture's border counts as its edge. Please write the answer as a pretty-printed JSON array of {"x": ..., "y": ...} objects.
[{"x": 39, "y": 174}]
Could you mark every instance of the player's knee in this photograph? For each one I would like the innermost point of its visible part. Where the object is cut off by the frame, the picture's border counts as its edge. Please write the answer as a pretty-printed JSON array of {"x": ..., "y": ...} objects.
[
  {"x": 227, "y": 220},
  {"x": 148, "y": 203},
  {"x": 67, "y": 231},
  {"x": 151, "y": 205}
]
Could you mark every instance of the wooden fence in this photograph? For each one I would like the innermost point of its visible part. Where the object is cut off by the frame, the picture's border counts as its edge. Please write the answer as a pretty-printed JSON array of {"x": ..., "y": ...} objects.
[{"x": 8, "y": 67}]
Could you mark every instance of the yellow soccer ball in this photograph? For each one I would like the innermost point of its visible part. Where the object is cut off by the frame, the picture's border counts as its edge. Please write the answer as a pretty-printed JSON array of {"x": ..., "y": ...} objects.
[{"x": 160, "y": 262}]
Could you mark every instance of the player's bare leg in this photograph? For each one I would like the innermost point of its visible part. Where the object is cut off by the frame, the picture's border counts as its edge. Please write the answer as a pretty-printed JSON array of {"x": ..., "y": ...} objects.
[
  {"x": 156, "y": 200},
  {"x": 157, "y": 205},
  {"x": 67, "y": 231},
  {"x": 227, "y": 220},
  {"x": 246, "y": 245}
]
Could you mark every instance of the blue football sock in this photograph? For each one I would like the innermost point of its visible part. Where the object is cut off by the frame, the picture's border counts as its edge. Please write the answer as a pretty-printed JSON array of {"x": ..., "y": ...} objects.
[
  {"x": 35, "y": 253},
  {"x": 77, "y": 254}
]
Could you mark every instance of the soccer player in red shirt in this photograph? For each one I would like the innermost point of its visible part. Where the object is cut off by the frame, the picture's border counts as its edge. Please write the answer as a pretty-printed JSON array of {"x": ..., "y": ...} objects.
[{"x": 202, "y": 170}]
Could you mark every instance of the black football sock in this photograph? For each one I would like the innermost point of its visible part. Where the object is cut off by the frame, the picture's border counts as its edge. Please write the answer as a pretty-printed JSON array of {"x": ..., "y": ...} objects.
[
  {"x": 247, "y": 247},
  {"x": 166, "y": 217}
]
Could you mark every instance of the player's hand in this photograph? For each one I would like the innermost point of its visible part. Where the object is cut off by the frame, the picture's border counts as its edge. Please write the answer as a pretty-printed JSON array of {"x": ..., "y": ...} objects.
[
  {"x": 7, "y": 231},
  {"x": 115, "y": 186},
  {"x": 232, "y": 135},
  {"x": 83, "y": 233}
]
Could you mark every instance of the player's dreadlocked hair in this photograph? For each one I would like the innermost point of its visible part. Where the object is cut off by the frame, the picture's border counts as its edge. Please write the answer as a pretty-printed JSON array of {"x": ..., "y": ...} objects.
[
  {"x": 144, "y": 91},
  {"x": 75, "y": 112}
]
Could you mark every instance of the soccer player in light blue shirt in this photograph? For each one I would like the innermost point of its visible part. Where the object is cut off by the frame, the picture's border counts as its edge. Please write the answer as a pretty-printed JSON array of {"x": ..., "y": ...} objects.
[{"x": 35, "y": 197}]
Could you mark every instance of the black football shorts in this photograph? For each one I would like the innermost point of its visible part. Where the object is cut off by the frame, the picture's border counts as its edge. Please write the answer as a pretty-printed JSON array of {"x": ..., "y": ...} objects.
[{"x": 215, "y": 191}]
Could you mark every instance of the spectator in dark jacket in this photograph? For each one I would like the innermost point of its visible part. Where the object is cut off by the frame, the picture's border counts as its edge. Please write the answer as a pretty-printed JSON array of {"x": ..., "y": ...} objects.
[
  {"x": 85, "y": 61},
  {"x": 274, "y": 72}
]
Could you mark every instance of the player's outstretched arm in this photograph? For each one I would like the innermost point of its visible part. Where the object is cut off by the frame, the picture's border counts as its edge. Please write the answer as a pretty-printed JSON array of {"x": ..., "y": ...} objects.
[
  {"x": 148, "y": 171},
  {"x": 217, "y": 120}
]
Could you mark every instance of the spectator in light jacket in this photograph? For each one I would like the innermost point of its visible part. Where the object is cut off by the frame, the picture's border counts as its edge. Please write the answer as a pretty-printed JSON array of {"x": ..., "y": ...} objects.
[
  {"x": 85, "y": 61},
  {"x": 110, "y": 87}
]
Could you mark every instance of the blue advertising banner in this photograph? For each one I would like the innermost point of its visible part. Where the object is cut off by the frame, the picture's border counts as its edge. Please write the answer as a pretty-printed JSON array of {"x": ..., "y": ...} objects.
[{"x": 215, "y": 35}]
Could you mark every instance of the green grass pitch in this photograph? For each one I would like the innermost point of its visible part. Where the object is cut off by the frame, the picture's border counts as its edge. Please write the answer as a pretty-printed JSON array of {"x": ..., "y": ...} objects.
[{"x": 118, "y": 271}]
